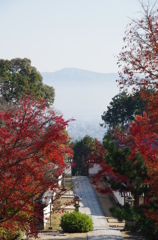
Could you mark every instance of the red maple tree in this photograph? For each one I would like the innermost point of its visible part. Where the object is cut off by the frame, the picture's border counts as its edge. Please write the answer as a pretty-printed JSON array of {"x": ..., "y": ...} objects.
[
  {"x": 139, "y": 68},
  {"x": 138, "y": 58},
  {"x": 33, "y": 144},
  {"x": 138, "y": 62}
]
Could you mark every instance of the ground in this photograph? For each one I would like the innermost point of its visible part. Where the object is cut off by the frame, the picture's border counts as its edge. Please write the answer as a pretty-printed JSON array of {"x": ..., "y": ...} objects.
[
  {"x": 83, "y": 236},
  {"x": 73, "y": 236},
  {"x": 106, "y": 202},
  {"x": 131, "y": 236}
]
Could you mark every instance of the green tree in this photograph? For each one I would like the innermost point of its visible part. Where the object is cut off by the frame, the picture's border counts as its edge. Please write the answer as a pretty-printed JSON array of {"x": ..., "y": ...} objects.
[
  {"x": 129, "y": 157},
  {"x": 126, "y": 168},
  {"x": 82, "y": 149},
  {"x": 18, "y": 77},
  {"x": 122, "y": 109}
]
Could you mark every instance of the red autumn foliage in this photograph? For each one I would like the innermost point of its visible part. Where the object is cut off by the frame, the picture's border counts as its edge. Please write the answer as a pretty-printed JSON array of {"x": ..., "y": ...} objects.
[
  {"x": 139, "y": 63},
  {"x": 141, "y": 138},
  {"x": 139, "y": 54},
  {"x": 97, "y": 157},
  {"x": 33, "y": 143}
]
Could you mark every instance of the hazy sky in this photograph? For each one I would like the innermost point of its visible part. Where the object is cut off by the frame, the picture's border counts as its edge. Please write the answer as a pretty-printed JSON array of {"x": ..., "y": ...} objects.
[{"x": 56, "y": 34}]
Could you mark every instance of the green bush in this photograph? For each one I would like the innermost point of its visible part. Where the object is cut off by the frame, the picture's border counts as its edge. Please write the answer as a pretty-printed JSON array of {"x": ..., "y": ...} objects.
[
  {"x": 125, "y": 212},
  {"x": 76, "y": 222},
  {"x": 9, "y": 235},
  {"x": 144, "y": 225}
]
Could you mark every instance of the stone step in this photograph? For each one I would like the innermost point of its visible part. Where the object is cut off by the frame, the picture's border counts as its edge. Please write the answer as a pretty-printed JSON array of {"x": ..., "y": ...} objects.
[
  {"x": 71, "y": 207},
  {"x": 68, "y": 196},
  {"x": 114, "y": 220}
]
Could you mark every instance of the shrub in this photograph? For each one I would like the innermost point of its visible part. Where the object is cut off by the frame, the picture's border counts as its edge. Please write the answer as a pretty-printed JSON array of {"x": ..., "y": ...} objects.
[
  {"x": 76, "y": 222},
  {"x": 127, "y": 212},
  {"x": 9, "y": 235},
  {"x": 146, "y": 226}
]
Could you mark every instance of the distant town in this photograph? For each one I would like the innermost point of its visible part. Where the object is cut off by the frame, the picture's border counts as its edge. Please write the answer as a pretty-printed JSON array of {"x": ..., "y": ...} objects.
[{"x": 83, "y": 95}]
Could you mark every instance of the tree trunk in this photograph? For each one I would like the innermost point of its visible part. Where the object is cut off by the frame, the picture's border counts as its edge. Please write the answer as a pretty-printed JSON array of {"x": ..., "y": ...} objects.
[{"x": 136, "y": 197}]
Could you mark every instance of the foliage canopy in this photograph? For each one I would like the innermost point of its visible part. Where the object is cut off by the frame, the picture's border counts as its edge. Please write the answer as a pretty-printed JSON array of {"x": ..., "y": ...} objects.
[
  {"x": 122, "y": 109},
  {"x": 33, "y": 146},
  {"x": 82, "y": 149},
  {"x": 18, "y": 77}
]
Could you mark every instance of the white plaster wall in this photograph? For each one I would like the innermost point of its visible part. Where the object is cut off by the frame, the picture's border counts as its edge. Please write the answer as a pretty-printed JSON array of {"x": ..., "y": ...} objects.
[
  {"x": 59, "y": 180},
  {"x": 46, "y": 210},
  {"x": 94, "y": 170},
  {"x": 67, "y": 170},
  {"x": 46, "y": 213},
  {"x": 118, "y": 198}
]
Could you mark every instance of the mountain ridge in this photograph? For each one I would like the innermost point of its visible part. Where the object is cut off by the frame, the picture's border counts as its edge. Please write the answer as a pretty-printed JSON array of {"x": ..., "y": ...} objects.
[
  {"x": 77, "y": 70},
  {"x": 76, "y": 74}
]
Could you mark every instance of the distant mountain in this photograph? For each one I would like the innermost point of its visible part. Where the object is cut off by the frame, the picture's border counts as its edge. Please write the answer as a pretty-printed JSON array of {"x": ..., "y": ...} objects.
[
  {"x": 75, "y": 75},
  {"x": 84, "y": 95}
]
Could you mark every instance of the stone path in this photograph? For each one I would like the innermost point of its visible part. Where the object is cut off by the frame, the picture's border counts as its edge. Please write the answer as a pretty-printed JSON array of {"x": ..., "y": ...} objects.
[{"x": 90, "y": 205}]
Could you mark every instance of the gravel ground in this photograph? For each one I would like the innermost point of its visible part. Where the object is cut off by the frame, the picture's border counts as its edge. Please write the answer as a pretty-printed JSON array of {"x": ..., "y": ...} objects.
[{"x": 50, "y": 236}]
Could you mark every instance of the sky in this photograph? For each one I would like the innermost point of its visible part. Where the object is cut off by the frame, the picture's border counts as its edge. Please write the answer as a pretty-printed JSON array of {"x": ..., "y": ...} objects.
[{"x": 56, "y": 34}]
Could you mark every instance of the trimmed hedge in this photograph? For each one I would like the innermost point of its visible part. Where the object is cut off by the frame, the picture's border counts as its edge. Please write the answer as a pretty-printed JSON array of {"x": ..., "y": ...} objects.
[{"x": 76, "y": 222}]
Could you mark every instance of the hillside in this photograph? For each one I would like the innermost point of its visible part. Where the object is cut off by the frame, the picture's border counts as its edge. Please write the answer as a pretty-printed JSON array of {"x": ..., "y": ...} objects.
[
  {"x": 75, "y": 75},
  {"x": 83, "y": 95}
]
